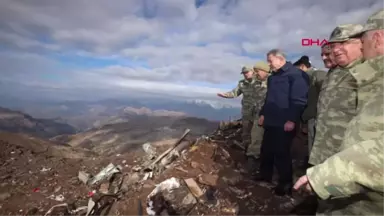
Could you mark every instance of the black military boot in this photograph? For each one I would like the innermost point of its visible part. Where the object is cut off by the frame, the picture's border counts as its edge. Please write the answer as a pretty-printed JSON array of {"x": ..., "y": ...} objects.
[
  {"x": 252, "y": 165},
  {"x": 283, "y": 189}
]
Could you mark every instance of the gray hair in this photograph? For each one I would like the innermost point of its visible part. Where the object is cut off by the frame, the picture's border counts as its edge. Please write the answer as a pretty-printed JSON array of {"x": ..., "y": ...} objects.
[{"x": 276, "y": 52}]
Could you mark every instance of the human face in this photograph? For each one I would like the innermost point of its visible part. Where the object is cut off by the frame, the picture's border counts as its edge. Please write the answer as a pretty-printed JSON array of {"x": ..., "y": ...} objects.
[
  {"x": 328, "y": 57},
  {"x": 275, "y": 62},
  {"x": 262, "y": 75},
  {"x": 248, "y": 75},
  {"x": 346, "y": 52},
  {"x": 372, "y": 44}
]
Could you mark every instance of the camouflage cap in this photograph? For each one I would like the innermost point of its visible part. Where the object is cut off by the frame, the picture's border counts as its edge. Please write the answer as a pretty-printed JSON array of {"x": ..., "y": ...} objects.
[
  {"x": 374, "y": 22},
  {"x": 262, "y": 66},
  {"x": 345, "y": 32},
  {"x": 246, "y": 69}
]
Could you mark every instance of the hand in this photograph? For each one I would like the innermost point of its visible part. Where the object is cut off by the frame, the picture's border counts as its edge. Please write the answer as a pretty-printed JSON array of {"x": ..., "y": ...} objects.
[
  {"x": 221, "y": 95},
  {"x": 303, "y": 181},
  {"x": 304, "y": 130},
  {"x": 261, "y": 120},
  {"x": 289, "y": 126}
]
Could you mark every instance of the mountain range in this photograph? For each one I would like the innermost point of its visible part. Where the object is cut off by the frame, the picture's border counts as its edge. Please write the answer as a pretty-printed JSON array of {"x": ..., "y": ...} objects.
[{"x": 87, "y": 114}]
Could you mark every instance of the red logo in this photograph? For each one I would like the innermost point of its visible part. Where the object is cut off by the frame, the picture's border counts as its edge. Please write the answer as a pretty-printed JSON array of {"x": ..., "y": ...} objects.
[{"x": 313, "y": 42}]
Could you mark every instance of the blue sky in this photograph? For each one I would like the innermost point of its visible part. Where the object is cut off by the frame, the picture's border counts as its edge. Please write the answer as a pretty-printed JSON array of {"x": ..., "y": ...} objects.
[{"x": 177, "y": 48}]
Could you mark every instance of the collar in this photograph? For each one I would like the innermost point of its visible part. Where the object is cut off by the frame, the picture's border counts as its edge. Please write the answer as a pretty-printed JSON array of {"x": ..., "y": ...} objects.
[
  {"x": 354, "y": 63},
  {"x": 251, "y": 80},
  {"x": 368, "y": 71},
  {"x": 284, "y": 68}
]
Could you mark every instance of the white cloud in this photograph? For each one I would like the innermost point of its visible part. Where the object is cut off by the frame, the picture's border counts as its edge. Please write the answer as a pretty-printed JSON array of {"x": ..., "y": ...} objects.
[{"x": 160, "y": 46}]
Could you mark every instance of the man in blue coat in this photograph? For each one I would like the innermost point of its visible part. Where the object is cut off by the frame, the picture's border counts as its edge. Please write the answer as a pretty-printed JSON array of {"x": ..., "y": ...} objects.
[{"x": 285, "y": 101}]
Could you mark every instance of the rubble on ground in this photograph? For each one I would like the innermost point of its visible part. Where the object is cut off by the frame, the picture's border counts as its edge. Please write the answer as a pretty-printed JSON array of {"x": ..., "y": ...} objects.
[{"x": 206, "y": 176}]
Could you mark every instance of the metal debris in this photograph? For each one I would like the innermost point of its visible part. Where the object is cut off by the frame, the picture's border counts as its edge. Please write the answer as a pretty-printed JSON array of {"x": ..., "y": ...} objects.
[
  {"x": 107, "y": 172},
  {"x": 84, "y": 177}
]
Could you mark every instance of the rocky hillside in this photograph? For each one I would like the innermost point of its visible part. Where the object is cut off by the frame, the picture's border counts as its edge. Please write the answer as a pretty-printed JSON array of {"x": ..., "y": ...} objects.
[
  {"x": 208, "y": 177},
  {"x": 18, "y": 122},
  {"x": 123, "y": 135}
]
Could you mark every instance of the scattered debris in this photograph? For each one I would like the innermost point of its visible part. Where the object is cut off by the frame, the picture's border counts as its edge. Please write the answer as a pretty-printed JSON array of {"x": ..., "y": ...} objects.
[
  {"x": 149, "y": 150},
  {"x": 203, "y": 177},
  {"x": 171, "y": 196},
  {"x": 170, "y": 149},
  {"x": 84, "y": 177},
  {"x": 195, "y": 189},
  {"x": 107, "y": 172}
]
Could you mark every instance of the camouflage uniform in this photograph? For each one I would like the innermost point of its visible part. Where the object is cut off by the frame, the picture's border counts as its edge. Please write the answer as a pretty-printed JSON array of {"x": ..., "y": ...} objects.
[
  {"x": 309, "y": 115},
  {"x": 353, "y": 178},
  {"x": 355, "y": 174},
  {"x": 337, "y": 103},
  {"x": 257, "y": 131},
  {"x": 247, "y": 88}
]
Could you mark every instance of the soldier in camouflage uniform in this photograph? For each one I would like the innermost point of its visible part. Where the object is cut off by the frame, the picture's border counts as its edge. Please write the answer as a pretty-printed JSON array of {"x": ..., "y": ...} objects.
[
  {"x": 352, "y": 180},
  {"x": 309, "y": 115},
  {"x": 262, "y": 71},
  {"x": 246, "y": 87},
  {"x": 337, "y": 102}
]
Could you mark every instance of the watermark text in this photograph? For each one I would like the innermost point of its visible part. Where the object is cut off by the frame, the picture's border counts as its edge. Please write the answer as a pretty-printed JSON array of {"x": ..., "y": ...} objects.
[{"x": 313, "y": 42}]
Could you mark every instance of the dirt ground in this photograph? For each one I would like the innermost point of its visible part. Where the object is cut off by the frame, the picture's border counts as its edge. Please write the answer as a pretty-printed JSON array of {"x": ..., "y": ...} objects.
[{"x": 31, "y": 182}]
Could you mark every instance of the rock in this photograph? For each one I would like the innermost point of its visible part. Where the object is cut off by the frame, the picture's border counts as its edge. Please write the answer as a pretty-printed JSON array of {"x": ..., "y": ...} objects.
[
  {"x": 208, "y": 179},
  {"x": 233, "y": 180},
  {"x": 194, "y": 164},
  {"x": 178, "y": 201},
  {"x": 32, "y": 211},
  {"x": 130, "y": 180},
  {"x": 83, "y": 177},
  {"x": 4, "y": 196},
  {"x": 104, "y": 187},
  {"x": 194, "y": 188},
  {"x": 57, "y": 189}
]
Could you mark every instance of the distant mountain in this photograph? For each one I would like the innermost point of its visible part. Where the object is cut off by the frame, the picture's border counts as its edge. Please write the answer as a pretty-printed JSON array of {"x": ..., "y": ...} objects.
[
  {"x": 84, "y": 115},
  {"x": 18, "y": 122},
  {"x": 125, "y": 136}
]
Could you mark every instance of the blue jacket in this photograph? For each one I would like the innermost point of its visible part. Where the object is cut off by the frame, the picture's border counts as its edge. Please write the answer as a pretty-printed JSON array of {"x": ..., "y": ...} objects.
[{"x": 286, "y": 96}]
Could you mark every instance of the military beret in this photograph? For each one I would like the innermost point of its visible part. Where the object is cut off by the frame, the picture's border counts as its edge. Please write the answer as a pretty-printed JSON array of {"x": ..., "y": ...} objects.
[
  {"x": 260, "y": 65},
  {"x": 246, "y": 69},
  {"x": 345, "y": 32},
  {"x": 374, "y": 22}
]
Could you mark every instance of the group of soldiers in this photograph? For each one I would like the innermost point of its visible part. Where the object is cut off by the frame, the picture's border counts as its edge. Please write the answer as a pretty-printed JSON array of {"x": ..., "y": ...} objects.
[{"x": 344, "y": 118}]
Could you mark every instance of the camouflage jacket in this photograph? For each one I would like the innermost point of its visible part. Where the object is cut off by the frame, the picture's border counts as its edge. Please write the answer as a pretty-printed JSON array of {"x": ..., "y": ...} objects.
[
  {"x": 249, "y": 90},
  {"x": 336, "y": 106},
  {"x": 354, "y": 176},
  {"x": 316, "y": 80}
]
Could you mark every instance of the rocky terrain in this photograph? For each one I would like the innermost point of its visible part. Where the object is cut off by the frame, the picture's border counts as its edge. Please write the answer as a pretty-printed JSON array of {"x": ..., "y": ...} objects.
[
  {"x": 18, "y": 122},
  {"x": 207, "y": 174},
  {"x": 121, "y": 137},
  {"x": 87, "y": 114}
]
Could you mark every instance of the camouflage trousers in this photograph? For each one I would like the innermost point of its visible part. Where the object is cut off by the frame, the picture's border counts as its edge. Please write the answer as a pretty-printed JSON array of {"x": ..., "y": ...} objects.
[
  {"x": 246, "y": 135},
  {"x": 256, "y": 140},
  {"x": 350, "y": 206},
  {"x": 311, "y": 134}
]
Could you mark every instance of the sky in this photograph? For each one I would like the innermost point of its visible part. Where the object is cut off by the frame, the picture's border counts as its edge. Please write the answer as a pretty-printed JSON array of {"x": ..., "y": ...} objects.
[{"x": 184, "y": 49}]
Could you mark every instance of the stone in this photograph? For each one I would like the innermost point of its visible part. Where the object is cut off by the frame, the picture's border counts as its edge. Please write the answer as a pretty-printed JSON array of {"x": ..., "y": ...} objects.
[
  {"x": 104, "y": 188},
  {"x": 194, "y": 164},
  {"x": 57, "y": 189},
  {"x": 4, "y": 196},
  {"x": 233, "y": 180},
  {"x": 178, "y": 201},
  {"x": 194, "y": 188},
  {"x": 130, "y": 180},
  {"x": 208, "y": 179},
  {"x": 84, "y": 177}
]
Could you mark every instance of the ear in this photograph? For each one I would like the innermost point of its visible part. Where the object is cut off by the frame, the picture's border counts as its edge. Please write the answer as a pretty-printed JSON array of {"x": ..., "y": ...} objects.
[{"x": 377, "y": 37}]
